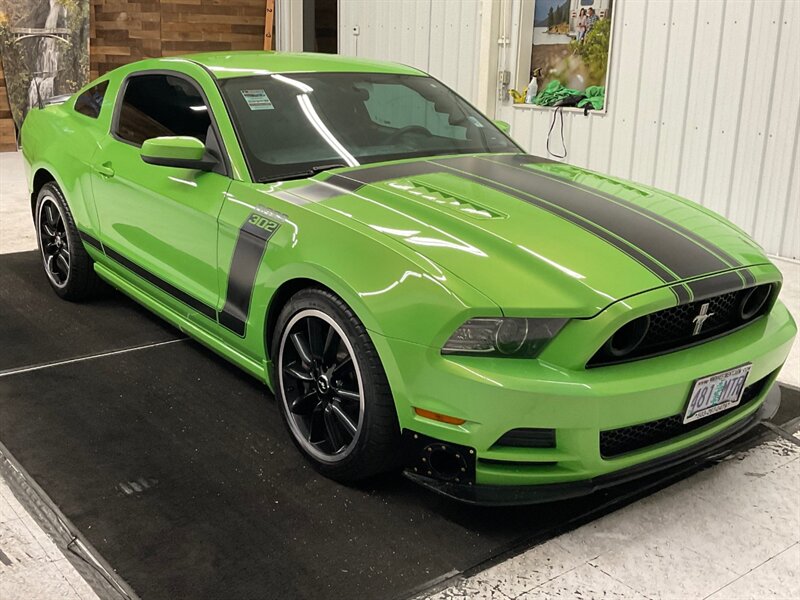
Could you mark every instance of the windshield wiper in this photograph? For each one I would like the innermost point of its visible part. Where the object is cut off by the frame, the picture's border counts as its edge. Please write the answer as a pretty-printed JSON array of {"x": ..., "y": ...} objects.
[
  {"x": 303, "y": 174},
  {"x": 321, "y": 168}
]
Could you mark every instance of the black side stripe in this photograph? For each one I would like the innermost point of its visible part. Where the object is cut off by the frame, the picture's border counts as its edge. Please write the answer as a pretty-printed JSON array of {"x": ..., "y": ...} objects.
[
  {"x": 91, "y": 240},
  {"x": 187, "y": 299},
  {"x": 248, "y": 251},
  {"x": 521, "y": 161},
  {"x": 247, "y": 254}
]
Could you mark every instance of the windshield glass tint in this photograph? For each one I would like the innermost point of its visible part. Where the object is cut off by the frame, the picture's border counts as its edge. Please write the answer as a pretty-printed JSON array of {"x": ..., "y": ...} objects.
[{"x": 291, "y": 125}]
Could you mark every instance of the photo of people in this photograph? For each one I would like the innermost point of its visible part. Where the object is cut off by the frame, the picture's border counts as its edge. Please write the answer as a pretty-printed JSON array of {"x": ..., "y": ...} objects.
[{"x": 569, "y": 54}]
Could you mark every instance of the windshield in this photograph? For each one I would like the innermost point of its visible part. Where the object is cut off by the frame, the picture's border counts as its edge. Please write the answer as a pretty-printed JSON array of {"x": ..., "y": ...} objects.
[{"x": 295, "y": 125}]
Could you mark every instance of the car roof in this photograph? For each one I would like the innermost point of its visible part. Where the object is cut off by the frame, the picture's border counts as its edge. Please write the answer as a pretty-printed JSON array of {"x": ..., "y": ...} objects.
[{"x": 243, "y": 63}]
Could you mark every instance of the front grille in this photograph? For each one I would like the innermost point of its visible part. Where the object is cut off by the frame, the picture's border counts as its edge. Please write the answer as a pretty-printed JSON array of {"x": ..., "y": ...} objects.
[
  {"x": 528, "y": 437},
  {"x": 615, "y": 442},
  {"x": 673, "y": 328}
]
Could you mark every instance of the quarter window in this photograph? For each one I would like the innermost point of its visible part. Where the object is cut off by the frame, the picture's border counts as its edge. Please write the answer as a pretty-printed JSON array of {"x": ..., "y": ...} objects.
[
  {"x": 159, "y": 105},
  {"x": 90, "y": 102}
]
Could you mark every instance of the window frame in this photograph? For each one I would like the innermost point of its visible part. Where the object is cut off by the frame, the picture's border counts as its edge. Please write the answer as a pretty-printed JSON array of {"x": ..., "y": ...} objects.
[
  {"x": 92, "y": 86},
  {"x": 123, "y": 88}
]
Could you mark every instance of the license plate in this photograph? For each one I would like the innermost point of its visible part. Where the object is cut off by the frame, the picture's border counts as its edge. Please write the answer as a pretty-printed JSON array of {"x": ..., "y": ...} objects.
[{"x": 716, "y": 393}]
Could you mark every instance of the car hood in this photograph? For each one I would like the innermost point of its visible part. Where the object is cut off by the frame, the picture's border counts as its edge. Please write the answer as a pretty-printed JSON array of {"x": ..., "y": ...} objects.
[{"x": 531, "y": 233}]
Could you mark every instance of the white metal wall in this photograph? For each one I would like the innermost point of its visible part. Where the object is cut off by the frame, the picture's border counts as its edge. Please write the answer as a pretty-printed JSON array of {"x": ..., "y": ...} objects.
[
  {"x": 440, "y": 37},
  {"x": 704, "y": 100},
  {"x": 704, "y": 96}
]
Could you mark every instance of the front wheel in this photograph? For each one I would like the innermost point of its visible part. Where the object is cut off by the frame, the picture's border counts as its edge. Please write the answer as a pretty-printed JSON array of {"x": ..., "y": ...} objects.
[
  {"x": 69, "y": 269},
  {"x": 331, "y": 387}
]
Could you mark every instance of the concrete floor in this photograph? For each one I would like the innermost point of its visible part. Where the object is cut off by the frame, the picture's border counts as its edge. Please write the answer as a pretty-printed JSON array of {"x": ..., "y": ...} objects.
[{"x": 729, "y": 532}]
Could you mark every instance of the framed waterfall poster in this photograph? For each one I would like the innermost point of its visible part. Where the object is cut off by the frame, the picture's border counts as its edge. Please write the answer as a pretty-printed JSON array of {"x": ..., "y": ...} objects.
[{"x": 44, "y": 46}]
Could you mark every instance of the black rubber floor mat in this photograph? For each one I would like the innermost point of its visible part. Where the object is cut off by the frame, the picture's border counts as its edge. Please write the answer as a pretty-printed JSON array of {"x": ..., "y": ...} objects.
[
  {"x": 37, "y": 327},
  {"x": 177, "y": 468}
]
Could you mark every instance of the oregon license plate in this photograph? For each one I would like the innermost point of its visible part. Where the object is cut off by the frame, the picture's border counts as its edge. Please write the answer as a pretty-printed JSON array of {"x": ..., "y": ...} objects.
[{"x": 716, "y": 393}]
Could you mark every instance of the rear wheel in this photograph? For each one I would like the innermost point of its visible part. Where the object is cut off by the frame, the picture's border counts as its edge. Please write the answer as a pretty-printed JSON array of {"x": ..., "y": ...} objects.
[
  {"x": 68, "y": 267},
  {"x": 331, "y": 387}
]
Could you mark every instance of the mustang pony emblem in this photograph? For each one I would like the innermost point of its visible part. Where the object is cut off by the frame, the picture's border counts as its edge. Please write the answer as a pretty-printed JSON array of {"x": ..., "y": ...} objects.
[{"x": 701, "y": 318}]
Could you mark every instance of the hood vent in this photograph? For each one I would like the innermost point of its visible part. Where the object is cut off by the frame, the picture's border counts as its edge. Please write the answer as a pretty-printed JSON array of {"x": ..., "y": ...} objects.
[{"x": 440, "y": 198}]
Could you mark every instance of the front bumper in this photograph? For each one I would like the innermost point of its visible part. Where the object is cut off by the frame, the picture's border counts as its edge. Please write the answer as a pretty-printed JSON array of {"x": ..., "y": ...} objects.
[
  {"x": 714, "y": 447},
  {"x": 557, "y": 392}
]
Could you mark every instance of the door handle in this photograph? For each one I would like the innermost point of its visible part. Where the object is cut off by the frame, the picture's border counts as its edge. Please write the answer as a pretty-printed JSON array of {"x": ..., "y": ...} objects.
[{"x": 104, "y": 170}]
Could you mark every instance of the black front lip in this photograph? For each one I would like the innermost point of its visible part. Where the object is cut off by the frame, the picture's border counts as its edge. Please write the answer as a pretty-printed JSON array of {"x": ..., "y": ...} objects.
[{"x": 509, "y": 495}]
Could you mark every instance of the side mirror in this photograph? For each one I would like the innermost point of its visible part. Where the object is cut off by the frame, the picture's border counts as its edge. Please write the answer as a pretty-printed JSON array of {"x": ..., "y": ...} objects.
[
  {"x": 503, "y": 126},
  {"x": 183, "y": 152}
]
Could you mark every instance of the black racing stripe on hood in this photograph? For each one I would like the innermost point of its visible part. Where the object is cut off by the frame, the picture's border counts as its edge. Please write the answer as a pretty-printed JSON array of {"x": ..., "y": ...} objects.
[
  {"x": 355, "y": 179},
  {"x": 522, "y": 160},
  {"x": 673, "y": 250},
  {"x": 716, "y": 285},
  {"x": 465, "y": 169}
]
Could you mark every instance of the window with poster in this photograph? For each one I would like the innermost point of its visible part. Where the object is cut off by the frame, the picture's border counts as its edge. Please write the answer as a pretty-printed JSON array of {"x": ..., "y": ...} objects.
[{"x": 564, "y": 54}]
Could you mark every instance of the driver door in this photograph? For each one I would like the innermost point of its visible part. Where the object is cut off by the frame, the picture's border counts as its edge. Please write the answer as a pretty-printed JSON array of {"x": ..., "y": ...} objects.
[{"x": 159, "y": 224}]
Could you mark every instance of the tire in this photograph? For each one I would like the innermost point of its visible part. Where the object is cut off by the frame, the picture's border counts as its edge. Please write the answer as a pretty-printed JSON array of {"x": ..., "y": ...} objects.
[
  {"x": 69, "y": 269},
  {"x": 328, "y": 383}
]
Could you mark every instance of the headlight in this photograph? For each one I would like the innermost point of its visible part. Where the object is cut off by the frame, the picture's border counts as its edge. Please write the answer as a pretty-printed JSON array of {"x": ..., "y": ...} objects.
[{"x": 510, "y": 337}]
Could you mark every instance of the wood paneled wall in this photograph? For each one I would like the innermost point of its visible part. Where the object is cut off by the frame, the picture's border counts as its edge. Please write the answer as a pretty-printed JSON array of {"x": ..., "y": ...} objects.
[{"x": 124, "y": 31}]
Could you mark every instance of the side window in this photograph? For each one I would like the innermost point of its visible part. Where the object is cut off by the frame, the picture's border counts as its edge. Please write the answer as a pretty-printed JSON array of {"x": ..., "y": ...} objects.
[
  {"x": 398, "y": 106},
  {"x": 90, "y": 102},
  {"x": 158, "y": 105}
]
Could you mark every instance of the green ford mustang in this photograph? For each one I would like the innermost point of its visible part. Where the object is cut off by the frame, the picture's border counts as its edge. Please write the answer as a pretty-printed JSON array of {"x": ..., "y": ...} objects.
[{"x": 416, "y": 290}]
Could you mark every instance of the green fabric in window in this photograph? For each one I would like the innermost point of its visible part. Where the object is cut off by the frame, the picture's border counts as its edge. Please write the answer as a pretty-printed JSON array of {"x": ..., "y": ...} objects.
[
  {"x": 595, "y": 96},
  {"x": 553, "y": 93}
]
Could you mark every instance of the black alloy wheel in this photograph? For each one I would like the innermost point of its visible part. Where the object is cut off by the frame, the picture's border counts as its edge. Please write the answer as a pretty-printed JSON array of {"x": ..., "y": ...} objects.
[
  {"x": 321, "y": 382},
  {"x": 54, "y": 242},
  {"x": 331, "y": 388}
]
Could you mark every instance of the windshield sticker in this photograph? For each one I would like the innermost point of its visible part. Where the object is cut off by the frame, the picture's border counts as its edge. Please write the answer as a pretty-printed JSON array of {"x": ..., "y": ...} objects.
[
  {"x": 475, "y": 121},
  {"x": 257, "y": 99}
]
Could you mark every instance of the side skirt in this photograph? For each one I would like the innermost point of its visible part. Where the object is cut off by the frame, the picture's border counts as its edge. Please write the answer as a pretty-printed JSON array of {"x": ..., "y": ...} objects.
[{"x": 257, "y": 370}]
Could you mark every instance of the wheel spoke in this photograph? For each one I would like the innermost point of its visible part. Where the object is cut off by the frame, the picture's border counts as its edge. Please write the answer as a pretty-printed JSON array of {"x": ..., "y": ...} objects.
[
  {"x": 348, "y": 395},
  {"x": 48, "y": 230},
  {"x": 303, "y": 405},
  {"x": 49, "y": 263},
  {"x": 298, "y": 373},
  {"x": 62, "y": 264},
  {"x": 302, "y": 348},
  {"x": 342, "y": 363},
  {"x": 331, "y": 347},
  {"x": 48, "y": 214},
  {"x": 316, "y": 425},
  {"x": 315, "y": 363},
  {"x": 344, "y": 420},
  {"x": 332, "y": 430}
]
